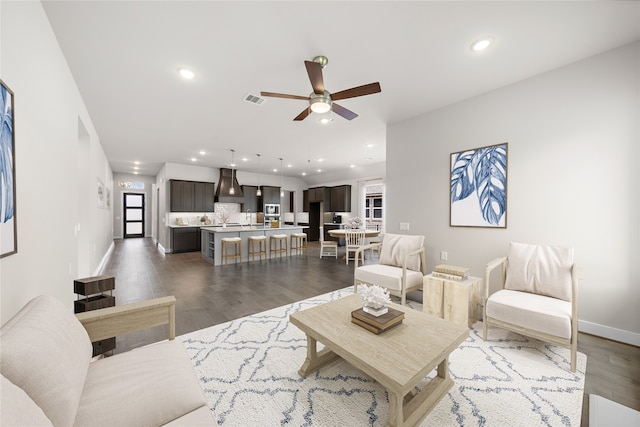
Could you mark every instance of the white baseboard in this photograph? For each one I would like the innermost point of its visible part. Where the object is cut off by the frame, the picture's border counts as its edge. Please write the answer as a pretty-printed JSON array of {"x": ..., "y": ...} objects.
[
  {"x": 164, "y": 251},
  {"x": 104, "y": 260},
  {"x": 608, "y": 332}
]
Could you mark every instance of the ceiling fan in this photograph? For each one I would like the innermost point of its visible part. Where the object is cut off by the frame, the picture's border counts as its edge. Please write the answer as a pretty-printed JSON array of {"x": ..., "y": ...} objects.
[{"x": 321, "y": 100}]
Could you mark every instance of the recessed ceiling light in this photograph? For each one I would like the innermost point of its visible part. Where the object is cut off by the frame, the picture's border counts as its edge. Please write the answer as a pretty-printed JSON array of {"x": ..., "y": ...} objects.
[
  {"x": 319, "y": 170},
  {"x": 289, "y": 165},
  {"x": 325, "y": 120},
  {"x": 136, "y": 163},
  {"x": 193, "y": 159},
  {"x": 244, "y": 159},
  {"x": 320, "y": 159},
  {"x": 135, "y": 173},
  {"x": 275, "y": 170},
  {"x": 202, "y": 153},
  {"x": 369, "y": 145},
  {"x": 304, "y": 173},
  {"x": 352, "y": 166},
  {"x": 481, "y": 44},
  {"x": 187, "y": 74}
]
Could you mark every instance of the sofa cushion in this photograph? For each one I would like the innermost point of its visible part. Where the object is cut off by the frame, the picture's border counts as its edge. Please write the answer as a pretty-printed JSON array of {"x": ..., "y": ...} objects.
[
  {"x": 543, "y": 270},
  {"x": 149, "y": 386},
  {"x": 17, "y": 407},
  {"x": 395, "y": 247},
  {"x": 537, "y": 312},
  {"x": 387, "y": 276},
  {"x": 46, "y": 352}
]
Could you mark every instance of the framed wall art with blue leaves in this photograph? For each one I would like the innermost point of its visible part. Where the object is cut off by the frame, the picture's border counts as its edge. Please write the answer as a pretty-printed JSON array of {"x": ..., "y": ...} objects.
[
  {"x": 479, "y": 187},
  {"x": 8, "y": 226}
]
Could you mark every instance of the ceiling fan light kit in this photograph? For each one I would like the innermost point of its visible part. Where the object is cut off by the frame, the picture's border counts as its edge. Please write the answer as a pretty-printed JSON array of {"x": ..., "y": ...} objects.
[{"x": 321, "y": 100}]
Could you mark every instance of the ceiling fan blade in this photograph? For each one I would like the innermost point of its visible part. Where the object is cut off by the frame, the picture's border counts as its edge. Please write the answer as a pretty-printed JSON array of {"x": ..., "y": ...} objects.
[
  {"x": 303, "y": 115},
  {"x": 314, "y": 69},
  {"x": 357, "y": 91},
  {"x": 284, "y": 95},
  {"x": 347, "y": 114}
]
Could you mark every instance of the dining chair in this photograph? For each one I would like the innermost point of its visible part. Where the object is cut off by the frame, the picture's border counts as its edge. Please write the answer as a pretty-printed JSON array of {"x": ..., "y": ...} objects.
[{"x": 354, "y": 239}]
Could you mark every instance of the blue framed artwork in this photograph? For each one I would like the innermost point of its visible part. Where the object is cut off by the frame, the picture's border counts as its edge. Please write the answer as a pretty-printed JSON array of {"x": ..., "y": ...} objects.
[
  {"x": 479, "y": 187},
  {"x": 8, "y": 226}
]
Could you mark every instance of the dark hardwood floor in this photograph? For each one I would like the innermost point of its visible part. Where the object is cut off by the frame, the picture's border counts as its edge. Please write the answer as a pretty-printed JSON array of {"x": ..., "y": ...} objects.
[{"x": 208, "y": 295}]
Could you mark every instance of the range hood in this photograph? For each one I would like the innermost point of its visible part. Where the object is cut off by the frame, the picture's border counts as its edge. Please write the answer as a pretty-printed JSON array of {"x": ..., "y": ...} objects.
[{"x": 226, "y": 182}]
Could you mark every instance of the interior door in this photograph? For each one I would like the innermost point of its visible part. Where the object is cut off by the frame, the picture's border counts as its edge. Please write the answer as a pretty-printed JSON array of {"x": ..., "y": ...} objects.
[{"x": 133, "y": 206}]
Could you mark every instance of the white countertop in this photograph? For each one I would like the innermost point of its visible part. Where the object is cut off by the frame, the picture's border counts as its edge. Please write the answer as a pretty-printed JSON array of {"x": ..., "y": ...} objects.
[{"x": 246, "y": 228}]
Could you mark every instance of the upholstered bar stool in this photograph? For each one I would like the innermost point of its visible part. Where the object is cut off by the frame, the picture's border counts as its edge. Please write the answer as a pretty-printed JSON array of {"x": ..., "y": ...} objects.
[
  {"x": 278, "y": 244},
  {"x": 298, "y": 243},
  {"x": 236, "y": 242},
  {"x": 261, "y": 249}
]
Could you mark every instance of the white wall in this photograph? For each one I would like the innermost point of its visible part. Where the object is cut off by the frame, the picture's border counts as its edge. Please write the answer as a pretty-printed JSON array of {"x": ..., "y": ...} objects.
[
  {"x": 573, "y": 179},
  {"x": 62, "y": 234}
]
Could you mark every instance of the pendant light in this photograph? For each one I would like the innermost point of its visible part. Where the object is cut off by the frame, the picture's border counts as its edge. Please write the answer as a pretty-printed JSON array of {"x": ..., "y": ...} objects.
[
  {"x": 281, "y": 180},
  {"x": 232, "y": 190},
  {"x": 259, "y": 192}
]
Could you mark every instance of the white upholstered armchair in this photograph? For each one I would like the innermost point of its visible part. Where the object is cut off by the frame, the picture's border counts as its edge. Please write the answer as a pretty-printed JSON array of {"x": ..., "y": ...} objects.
[
  {"x": 538, "y": 295},
  {"x": 401, "y": 266}
]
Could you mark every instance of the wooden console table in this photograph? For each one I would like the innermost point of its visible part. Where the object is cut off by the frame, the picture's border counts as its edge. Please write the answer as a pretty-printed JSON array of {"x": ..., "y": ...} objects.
[{"x": 456, "y": 301}]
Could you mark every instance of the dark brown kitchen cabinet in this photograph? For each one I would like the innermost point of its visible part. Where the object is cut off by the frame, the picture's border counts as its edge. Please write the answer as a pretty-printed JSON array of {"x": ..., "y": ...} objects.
[
  {"x": 270, "y": 195},
  {"x": 341, "y": 198},
  {"x": 191, "y": 196},
  {"x": 305, "y": 201},
  {"x": 250, "y": 199},
  {"x": 320, "y": 194},
  {"x": 203, "y": 196},
  {"x": 181, "y": 196},
  {"x": 185, "y": 239}
]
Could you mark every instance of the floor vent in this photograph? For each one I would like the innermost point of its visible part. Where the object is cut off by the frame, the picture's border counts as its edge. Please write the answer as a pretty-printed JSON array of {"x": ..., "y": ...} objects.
[{"x": 254, "y": 99}]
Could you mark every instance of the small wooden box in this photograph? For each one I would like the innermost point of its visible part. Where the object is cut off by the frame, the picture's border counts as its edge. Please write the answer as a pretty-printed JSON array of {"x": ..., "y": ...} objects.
[
  {"x": 94, "y": 303},
  {"x": 100, "y": 347},
  {"x": 94, "y": 285}
]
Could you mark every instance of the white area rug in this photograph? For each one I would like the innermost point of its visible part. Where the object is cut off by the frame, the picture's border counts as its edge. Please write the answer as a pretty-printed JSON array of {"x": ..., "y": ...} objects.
[{"x": 248, "y": 369}]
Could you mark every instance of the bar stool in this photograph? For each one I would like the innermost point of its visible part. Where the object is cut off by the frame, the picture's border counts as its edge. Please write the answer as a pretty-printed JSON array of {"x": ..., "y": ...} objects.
[
  {"x": 261, "y": 241},
  {"x": 236, "y": 242},
  {"x": 275, "y": 244},
  {"x": 298, "y": 243}
]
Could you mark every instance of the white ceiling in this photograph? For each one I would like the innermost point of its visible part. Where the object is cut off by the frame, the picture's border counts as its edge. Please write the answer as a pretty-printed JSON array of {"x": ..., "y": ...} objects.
[{"x": 124, "y": 57}]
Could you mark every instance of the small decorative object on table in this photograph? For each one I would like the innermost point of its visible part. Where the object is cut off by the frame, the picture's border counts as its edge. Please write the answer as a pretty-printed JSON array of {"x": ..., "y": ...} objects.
[
  {"x": 354, "y": 223},
  {"x": 224, "y": 218},
  {"x": 375, "y": 300},
  {"x": 375, "y": 315}
]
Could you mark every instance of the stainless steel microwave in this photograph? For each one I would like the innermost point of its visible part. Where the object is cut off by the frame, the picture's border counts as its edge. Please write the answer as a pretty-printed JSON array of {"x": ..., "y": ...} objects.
[{"x": 270, "y": 209}]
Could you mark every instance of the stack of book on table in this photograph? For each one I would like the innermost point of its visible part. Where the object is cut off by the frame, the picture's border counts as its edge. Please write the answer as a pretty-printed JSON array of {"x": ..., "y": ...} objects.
[
  {"x": 377, "y": 324},
  {"x": 450, "y": 272}
]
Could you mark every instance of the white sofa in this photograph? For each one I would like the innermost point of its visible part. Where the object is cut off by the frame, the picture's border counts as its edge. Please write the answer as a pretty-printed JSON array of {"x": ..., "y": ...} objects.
[{"x": 49, "y": 378}]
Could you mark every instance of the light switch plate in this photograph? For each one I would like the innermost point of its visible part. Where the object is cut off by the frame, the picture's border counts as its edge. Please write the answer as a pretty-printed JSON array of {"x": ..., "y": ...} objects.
[
  {"x": 404, "y": 226},
  {"x": 444, "y": 255}
]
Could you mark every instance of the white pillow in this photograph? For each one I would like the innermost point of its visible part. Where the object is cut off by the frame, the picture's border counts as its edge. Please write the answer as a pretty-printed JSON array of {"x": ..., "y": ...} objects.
[
  {"x": 543, "y": 270},
  {"x": 395, "y": 248}
]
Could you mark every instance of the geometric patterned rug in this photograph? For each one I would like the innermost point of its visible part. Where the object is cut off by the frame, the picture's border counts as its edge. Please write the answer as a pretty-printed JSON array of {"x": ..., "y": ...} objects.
[{"x": 248, "y": 369}]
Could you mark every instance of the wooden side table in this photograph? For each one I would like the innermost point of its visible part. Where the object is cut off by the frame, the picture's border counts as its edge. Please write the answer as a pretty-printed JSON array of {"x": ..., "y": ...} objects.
[
  {"x": 456, "y": 301},
  {"x": 94, "y": 290}
]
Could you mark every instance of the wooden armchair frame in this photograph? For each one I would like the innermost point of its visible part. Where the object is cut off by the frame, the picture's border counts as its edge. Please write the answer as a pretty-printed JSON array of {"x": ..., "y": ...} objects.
[
  {"x": 571, "y": 343},
  {"x": 114, "y": 321}
]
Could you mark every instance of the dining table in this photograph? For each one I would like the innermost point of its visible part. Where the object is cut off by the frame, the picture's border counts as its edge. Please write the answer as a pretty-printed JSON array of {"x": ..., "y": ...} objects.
[{"x": 341, "y": 233}]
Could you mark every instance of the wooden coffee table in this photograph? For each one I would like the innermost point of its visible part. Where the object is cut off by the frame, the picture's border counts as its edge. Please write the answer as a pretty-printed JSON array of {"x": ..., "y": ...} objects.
[{"x": 399, "y": 358}]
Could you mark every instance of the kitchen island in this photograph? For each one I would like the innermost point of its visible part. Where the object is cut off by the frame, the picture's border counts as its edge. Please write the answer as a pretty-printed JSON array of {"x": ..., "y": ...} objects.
[{"x": 211, "y": 238}]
